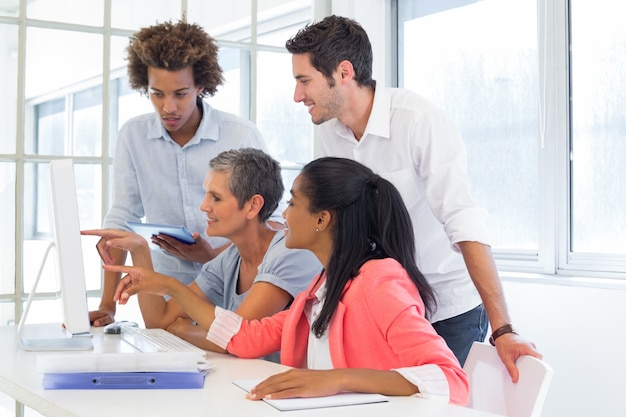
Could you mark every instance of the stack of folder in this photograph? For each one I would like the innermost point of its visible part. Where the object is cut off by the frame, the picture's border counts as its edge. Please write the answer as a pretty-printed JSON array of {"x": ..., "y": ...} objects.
[{"x": 164, "y": 370}]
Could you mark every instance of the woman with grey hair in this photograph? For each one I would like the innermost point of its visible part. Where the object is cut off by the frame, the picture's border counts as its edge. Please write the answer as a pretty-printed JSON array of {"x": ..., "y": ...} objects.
[{"x": 256, "y": 276}]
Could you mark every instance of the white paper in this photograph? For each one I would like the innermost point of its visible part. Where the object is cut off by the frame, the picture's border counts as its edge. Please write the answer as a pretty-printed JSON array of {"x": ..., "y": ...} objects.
[
  {"x": 337, "y": 400},
  {"x": 121, "y": 362}
]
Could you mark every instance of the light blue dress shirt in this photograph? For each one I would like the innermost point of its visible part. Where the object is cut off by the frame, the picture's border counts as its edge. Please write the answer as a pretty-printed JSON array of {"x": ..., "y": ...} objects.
[{"x": 157, "y": 180}]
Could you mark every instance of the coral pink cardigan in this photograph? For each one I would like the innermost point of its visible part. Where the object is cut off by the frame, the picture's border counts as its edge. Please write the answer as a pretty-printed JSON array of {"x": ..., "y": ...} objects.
[{"x": 379, "y": 323}]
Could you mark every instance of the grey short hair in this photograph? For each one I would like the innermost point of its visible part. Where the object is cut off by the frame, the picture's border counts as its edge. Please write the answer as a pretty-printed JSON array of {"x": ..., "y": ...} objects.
[{"x": 252, "y": 171}]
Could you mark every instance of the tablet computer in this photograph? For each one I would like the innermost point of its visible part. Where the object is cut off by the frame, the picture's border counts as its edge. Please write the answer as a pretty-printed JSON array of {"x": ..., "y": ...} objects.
[{"x": 147, "y": 230}]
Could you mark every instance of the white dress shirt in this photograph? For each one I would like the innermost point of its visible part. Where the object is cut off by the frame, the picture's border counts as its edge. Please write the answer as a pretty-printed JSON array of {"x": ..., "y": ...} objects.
[{"x": 412, "y": 143}]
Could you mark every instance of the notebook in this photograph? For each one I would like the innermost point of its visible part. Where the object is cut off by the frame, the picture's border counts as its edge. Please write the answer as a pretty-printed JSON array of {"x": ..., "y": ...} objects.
[
  {"x": 121, "y": 362},
  {"x": 337, "y": 400}
]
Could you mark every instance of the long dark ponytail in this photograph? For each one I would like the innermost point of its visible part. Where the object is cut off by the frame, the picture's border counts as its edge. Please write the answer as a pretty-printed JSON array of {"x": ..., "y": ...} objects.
[{"x": 370, "y": 222}]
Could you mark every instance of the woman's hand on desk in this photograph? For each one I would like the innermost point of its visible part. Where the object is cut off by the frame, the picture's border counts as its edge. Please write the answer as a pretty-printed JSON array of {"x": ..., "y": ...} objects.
[
  {"x": 297, "y": 383},
  {"x": 139, "y": 280},
  {"x": 319, "y": 383}
]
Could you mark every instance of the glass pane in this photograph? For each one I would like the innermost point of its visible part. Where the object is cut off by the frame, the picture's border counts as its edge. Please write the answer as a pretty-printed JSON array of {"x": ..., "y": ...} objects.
[
  {"x": 72, "y": 66},
  {"x": 285, "y": 125},
  {"x": 49, "y": 311},
  {"x": 45, "y": 311},
  {"x": 37, "y": 252},
  {"x": 230, "y": 23},
  {"x": 86, "y": 136},
  {"x": 130, "y": 103},
  {"x": 141, "y": 13},
  {"x": 9, "y": 8},
  {"x": 38, "y": 229},
  {"x": 118, "y": 55},
  {"x": 279, "y": 20},
  {"x": 125, "y": 103},
  {"x": 7, "y": 317},
  {"x": 89, "y": 194},
  {"x": 598, "y": 128},
  {"x": 49, "y": 137},
  {"x": 289, "y": 175},
  {"x": 488, "y": 85},
  {"x": 229, "y": 95},
  {"x": 7, "y": 228},
  {"x": 8, "y": 86},
  {"x": 83, "y": 12},
  {"x": 110, "y": 190},
  {"x": 50, "y": 88}
]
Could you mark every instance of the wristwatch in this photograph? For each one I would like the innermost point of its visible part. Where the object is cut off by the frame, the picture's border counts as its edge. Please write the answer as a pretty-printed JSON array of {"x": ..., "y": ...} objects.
[{"x": 507, "y": 328}]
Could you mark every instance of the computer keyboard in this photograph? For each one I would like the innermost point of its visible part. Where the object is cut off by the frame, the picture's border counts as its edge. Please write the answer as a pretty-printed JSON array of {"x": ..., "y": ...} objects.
[{"x": 156, "y": 340}]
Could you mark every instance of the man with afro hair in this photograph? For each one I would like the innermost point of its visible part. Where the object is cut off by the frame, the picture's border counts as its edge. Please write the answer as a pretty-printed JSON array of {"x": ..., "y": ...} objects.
[{"x": 161, "y": 157}]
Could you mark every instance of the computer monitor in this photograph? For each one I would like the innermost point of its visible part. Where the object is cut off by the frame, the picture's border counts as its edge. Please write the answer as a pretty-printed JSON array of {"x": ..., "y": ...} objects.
[{"x": 67, "y": 240}]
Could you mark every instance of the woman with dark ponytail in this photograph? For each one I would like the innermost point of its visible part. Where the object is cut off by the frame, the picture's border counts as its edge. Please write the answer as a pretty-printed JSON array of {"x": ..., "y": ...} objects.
[{"x": 362, "y": 324}]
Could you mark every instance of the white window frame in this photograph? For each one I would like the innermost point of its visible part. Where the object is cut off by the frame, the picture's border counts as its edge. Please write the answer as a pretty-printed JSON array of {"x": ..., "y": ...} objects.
[{"x": 554, "y": 261}]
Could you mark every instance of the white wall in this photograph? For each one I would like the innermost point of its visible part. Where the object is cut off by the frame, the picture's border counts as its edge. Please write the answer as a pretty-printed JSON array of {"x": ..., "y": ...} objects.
[{"x": 581, "y": 332}]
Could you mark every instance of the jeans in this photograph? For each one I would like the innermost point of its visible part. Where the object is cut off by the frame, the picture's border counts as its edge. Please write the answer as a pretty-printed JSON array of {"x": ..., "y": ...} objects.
[{"x": 461, "y": 331}]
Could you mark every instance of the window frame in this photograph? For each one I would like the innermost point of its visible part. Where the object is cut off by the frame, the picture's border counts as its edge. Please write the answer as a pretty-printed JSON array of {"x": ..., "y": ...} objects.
[
  {"x": 27, "y": 115},
  {"x": 553, "y": 257}
]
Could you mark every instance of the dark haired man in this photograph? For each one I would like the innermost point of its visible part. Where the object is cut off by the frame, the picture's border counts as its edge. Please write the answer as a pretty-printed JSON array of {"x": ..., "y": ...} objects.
[{"x": 409, "y": 141}]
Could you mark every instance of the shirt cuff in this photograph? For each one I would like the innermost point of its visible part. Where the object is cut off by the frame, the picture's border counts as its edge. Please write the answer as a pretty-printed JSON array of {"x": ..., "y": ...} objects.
[
  {"x": 429, "y": 380},
  {"x": 226, "y": 324}
]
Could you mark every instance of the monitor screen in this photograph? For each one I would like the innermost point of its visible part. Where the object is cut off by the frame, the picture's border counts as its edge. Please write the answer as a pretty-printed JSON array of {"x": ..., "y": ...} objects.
[
  {"x": 67, "y": 240},
  {"x": 66, "y": 226}
]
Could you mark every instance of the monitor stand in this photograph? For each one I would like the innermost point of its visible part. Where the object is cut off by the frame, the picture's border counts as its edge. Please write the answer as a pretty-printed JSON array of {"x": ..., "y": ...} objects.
[{"x": 81, "y": 341}]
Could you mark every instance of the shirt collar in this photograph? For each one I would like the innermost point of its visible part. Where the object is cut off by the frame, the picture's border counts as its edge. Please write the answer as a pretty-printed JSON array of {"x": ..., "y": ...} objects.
[
  {"x": 208, "y": 128},
  {"x": 378, "y": 122},
  {"x": 320, "y": 294}
]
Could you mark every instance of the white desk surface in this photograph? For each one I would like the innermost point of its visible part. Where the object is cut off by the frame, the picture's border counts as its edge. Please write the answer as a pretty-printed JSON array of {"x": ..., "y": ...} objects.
[{"x": 19, "y": 379}]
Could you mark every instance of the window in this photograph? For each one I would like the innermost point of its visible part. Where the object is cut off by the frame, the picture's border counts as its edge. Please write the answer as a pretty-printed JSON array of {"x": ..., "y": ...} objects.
[
  {"x": 540, "y": 108},
  {"x": 69, "y": 49},
  {"x": 598, "y": 128},
  {"x": 67, "y": 76}
]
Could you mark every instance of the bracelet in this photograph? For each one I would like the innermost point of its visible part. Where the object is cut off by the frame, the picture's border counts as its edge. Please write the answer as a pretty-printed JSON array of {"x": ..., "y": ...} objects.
[{"x": 507, "y": 328}]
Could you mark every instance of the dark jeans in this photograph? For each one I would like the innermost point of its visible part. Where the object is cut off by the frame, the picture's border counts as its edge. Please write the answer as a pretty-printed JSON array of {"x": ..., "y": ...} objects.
[{"x": 461, "y": 331}]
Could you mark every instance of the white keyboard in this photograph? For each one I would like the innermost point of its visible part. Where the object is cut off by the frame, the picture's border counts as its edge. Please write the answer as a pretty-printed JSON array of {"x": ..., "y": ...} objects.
[{"x": 156, "y": 340}]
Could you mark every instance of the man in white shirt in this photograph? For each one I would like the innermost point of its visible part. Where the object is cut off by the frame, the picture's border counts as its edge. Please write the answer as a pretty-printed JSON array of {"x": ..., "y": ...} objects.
[{"x": 409, "y": 141}]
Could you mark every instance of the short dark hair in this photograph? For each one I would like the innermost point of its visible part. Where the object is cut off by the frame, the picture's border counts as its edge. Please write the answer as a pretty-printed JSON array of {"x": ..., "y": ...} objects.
[
  {"x": 252, "y": 171},
  {"x": 333, "y": 40},
  {"x": 370, "y": 221},
  {"x": 174, "y": 46}
]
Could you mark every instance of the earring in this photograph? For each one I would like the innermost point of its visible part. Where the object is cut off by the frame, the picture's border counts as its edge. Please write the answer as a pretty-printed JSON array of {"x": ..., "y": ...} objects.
[{"x": 317, "y": 230}]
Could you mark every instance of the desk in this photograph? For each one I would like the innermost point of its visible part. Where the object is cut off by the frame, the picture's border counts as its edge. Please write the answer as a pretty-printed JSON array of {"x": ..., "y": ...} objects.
[{"x": 19, "y": 379}]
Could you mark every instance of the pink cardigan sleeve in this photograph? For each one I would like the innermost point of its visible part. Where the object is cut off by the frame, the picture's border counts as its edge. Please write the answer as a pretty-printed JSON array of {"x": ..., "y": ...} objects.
[
  {"x": 246, "y": 339},
  {"x": 436, "y": 371}
]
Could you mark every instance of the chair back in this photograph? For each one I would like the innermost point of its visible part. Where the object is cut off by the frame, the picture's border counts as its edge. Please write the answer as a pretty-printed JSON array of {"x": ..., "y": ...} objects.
[{"x": 492, "y": 390}]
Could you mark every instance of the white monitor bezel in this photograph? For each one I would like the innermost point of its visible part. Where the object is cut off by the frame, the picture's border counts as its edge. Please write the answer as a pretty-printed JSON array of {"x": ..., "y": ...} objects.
[{"x": 71, "y": 270}]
